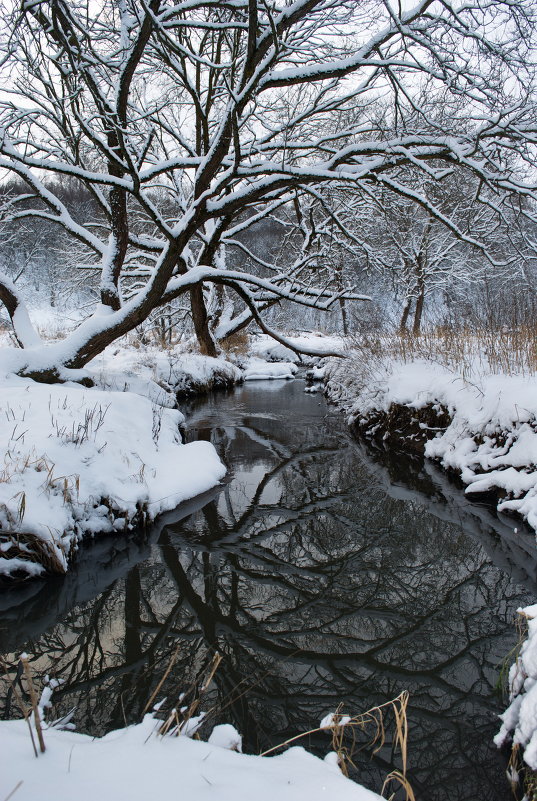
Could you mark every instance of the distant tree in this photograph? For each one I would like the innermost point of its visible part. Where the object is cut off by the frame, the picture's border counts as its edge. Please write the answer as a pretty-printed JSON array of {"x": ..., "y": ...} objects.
[
  {"x": 424, "y": 253},
  {"x": 218, "y": 107}
]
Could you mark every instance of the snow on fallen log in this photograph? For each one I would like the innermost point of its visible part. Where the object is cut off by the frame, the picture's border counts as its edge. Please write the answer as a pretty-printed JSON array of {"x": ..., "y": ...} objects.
[
  {"x": 260, "y": 370},
  {"x": 266, "y": 348}
]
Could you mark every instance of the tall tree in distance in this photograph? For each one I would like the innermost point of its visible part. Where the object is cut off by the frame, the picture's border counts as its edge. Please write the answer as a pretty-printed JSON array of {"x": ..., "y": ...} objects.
[{"x": 220, "y": 107}]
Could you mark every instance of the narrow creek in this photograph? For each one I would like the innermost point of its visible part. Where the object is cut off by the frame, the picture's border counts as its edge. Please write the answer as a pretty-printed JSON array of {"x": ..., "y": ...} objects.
[{"x": 323, "y": 573}]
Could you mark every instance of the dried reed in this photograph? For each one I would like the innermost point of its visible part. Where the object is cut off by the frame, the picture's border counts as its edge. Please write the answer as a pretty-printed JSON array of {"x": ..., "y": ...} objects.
[
  {"x": 178, "y": 718},
  {"x": 510, "y": 351},
  {"x": 343, "y": 728},
  {"x": 35, "y": 704}
]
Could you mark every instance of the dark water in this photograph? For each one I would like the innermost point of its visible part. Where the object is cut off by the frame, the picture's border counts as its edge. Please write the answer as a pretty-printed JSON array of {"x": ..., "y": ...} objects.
[{"x": 324, "y": 574}]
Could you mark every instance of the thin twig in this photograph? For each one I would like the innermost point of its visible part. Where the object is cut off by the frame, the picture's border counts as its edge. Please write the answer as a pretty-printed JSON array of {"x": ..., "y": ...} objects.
[
  {"x": 22, "y": 706},
  {"x": 35, "y": 704}
]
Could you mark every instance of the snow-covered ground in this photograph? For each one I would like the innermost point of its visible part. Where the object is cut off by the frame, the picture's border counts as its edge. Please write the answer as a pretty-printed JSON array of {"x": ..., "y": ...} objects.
[
  {"x": 78, "y": 461},
  {"x": 172, "y": 371},
  {"x": 136, "y": 763}
]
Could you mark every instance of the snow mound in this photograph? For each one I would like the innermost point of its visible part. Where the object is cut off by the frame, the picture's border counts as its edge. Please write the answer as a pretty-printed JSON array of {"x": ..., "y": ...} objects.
[
  {"x": 226, "y": 736},
  {"x": 519, "y": 721},
  {"x": 78, "y": 461},
  {"x": 161, "y": 374},
  {"x": 137, "y": 764},
  {"x": 258, "y": 369}
]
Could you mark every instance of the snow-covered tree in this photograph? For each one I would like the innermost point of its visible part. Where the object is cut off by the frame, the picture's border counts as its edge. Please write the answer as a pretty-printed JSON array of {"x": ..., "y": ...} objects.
[
  {"x": 188, "y": 122},
  {"x": 422, "y": 253}
]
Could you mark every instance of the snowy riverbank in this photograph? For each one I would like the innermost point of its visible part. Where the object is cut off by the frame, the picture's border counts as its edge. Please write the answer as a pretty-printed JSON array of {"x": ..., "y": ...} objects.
[
  {"x": 137, "y": 763},
  {"x": 76, "y": 461},
  {"x": 482, "y": 426},
  {"x": 519, "y": 721}
]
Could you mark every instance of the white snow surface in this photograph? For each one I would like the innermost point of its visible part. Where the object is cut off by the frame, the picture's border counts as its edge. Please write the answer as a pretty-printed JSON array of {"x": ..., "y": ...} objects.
[
  {"x": 77, "y": 461},
  {"x": 519, "y": 721},
  {"x": 138, "y": 764},
  {"x": 265, "y": 347},
  {"x": 159, "y": 373},
  {"x": 492, "y": 438},
  {"x": 226, "y": 736},
  {"x": 260, "y": 370}
]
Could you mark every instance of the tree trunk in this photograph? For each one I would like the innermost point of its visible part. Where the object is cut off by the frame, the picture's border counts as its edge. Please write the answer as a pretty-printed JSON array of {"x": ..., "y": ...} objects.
[
  {"x": 421, "y": 264},
  {"x": 200, "y": 319},
  {"x": 25, "y": 333},
  {"x": 418, "y": 311},
  {"x": 404, "y": 316},
  {"x": 344, "y": 318}
]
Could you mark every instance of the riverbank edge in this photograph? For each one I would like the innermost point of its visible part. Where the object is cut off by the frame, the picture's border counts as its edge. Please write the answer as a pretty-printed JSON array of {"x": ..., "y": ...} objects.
[
  {"x": 62, "y": 464},
  {"x": 482, "y": 429},
  {"x": 409, "y": 414},
  {"x": 150, "y": 764},
  {"x": 408, "y": 430}
]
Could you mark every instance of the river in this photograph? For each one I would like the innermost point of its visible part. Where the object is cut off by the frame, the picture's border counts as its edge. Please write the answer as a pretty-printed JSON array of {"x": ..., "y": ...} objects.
[{"x": 324, "y": 573}]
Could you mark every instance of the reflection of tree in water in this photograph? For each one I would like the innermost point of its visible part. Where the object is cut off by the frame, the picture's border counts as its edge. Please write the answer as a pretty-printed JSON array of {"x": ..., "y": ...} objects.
[{"x": 318, "y": 589}]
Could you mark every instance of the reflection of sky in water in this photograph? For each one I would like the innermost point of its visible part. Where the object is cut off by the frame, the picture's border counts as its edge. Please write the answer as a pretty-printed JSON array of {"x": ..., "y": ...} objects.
[
  {"x": 245, "y": 484},
  {"x": 321, "y": 576}
]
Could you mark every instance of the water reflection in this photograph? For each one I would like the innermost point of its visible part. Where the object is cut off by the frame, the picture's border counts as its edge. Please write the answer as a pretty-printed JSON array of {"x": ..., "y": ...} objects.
[{"x": 322, "y": 575}]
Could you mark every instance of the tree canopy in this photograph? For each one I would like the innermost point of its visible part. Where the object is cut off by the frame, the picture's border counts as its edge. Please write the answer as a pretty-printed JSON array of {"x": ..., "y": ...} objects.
[{"x": 189, "y": 122}]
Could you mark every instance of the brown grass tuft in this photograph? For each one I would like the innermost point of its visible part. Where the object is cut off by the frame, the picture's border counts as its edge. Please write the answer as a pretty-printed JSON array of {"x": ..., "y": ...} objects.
[
  {"x": 237, "y": 343},
  {"x": 344, "y": 742}
]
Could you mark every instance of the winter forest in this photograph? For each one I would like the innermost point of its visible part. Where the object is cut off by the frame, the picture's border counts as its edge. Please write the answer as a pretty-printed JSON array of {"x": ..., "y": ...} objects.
[{"x": 268, "y": 399}]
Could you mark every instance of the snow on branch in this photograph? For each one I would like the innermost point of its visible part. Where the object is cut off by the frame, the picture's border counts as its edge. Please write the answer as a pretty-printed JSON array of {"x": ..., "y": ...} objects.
[{"x": 189, "y": 127}]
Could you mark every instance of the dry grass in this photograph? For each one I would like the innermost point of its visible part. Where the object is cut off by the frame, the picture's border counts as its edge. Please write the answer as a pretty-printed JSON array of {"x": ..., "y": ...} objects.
[
  {"x": 25, "y": 545},
  {"x": 34, "y": 702},
  {"x": 344, "y": 730},
  {"x": 24, "y": 669},
  {"x": 511, "y": 351},
  {"x": 236, "y": 344},
  {"x": 28, "y": 547},
  {"x": 188, "y": 706}
]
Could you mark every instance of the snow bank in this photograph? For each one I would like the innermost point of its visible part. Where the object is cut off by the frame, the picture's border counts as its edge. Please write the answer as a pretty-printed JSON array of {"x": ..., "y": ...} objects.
[
  {"x": 264, "y": 347},
  {"x": 519, "y": 721},
  {"x": 75, "y": 461},
  {"x": 258, "y": 369},
  {"x": 161, "y": 373},
  {"x": 137, "y": 764},
  {"x": 491, "y": 437}
]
